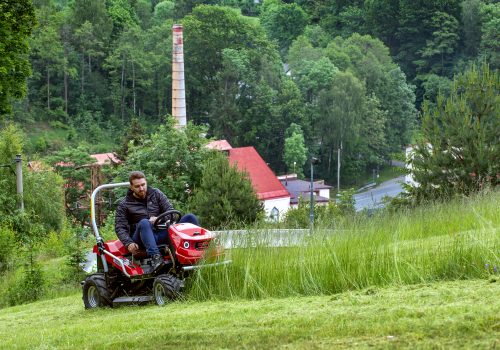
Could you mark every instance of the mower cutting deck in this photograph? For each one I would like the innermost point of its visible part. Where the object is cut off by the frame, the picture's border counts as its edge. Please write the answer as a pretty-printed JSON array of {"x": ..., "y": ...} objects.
[{"x": 125, "y": 278}]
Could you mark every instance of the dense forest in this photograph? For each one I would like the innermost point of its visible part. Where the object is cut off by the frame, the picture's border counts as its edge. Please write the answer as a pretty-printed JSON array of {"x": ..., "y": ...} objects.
[{"x": 315, "y": 76}]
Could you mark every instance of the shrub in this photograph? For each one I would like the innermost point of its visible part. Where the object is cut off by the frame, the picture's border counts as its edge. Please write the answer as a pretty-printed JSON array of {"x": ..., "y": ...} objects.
[
  {"x": 225, "y": 196},
  {"x": 56, "y": 243},
  {"x": 30, "y": 286},
  {"x": 76, "y": 251},
  {"x": 7, "y": 247}
]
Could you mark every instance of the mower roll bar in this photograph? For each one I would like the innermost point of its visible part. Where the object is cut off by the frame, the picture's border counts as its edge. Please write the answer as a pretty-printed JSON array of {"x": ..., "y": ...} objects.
[
  {"x": 100, "y": 242},
  {"x": 92, "y": 205}
]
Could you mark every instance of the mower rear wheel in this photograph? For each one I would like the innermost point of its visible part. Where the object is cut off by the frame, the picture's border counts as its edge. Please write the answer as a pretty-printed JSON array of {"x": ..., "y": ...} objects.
[
  {"x": 166, "y": 288},
  {"x": 95, "y": 291}
]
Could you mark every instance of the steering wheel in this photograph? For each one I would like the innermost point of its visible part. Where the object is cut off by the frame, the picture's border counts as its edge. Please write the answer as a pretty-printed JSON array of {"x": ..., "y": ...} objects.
[{"x": 169, "y": 217}]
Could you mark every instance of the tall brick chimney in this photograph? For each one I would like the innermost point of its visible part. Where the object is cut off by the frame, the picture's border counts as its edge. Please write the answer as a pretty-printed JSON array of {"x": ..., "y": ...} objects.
[{"x": 178, "y": 88}]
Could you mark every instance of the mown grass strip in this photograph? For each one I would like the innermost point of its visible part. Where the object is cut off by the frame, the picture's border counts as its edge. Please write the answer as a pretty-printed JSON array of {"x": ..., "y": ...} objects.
[{"x": 459, "y": 314}]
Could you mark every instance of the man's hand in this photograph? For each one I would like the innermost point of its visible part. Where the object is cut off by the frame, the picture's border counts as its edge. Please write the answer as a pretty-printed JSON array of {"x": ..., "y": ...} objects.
[
  {"x": 152, "y": 219},
  {"x": 133, "y": 248}
]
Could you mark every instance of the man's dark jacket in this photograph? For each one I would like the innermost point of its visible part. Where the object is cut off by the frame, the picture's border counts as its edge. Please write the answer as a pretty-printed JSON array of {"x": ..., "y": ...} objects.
[{"x": 132, "y": 210}]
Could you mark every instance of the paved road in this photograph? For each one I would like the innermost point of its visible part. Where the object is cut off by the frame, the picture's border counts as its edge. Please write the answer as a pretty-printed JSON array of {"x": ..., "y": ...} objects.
[{"x": 373, "y": 198}]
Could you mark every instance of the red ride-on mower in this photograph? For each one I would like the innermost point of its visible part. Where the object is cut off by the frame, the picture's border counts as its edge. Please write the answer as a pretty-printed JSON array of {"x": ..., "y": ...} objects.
[{"x": 125, "y": 278}]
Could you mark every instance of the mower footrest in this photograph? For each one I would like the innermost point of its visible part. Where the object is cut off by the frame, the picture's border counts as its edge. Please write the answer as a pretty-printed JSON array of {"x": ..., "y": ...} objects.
[{"x": 143, "y": 299}]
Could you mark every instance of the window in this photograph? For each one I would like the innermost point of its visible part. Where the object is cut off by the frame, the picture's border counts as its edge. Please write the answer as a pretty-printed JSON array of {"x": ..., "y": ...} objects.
[{"x": 275, "y": 214}]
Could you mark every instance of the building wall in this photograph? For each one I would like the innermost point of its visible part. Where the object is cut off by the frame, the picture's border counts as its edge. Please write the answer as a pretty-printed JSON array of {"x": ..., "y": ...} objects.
[
  {"x": 409, "y": 176},
  {"x": 324, "y": 193},
  {"x": 282, "y": 204}
]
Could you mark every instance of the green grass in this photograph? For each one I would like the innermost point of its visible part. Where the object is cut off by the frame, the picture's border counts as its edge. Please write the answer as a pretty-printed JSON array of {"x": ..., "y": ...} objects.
[
  {"x": 454, "y": 315},
  {"x": 386, "y": 173},
  {"x": 56, "y": 138},
  {"x": 456, "y": 240}
]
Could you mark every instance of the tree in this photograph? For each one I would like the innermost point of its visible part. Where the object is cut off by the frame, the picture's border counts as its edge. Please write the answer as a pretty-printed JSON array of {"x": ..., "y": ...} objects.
[
  {"x": 91, "y": 48},
  {"x": 209, "y": 30},
  {"x": 43, "y": 190},
  {"x": 48, "y": 53},
  {"x": 122, "y": 15},
  {"x": 407, "y": 27},
  {"x": 11, "y": 144},
  {"x": 458, "y": 150},
  {"x": 433, "y": 86},
  {"x": 72, "y": 165},
  {"x": 442, "y": 43},
  {"x": 94, "y": 12},
  {"x": 471, "y": 20},
  {"x": 489, "y": 48},
  {"x": 225, "y": 197},
  {"x": 341, "y": 109},
  {"x": 17, "y": 19},
  {"x": 134, "y": 134},
  {"x": 352, "y": 20},
  {"x": 373, "y": 139},
  {"x": 235, "y": 80},
  {"x": 295, "y": 154},
  {"x": 382, "y": 20},
  {"x": 172, "y": 159},
  {"x": 370, "y": 61},
  {"x": 130, "y": 69},
  {"x": 163, "y": 11},
  {"x": 155, "y": 97},
  {"x": 283, "y": 22},
  {"x": 398, "y": 99}
]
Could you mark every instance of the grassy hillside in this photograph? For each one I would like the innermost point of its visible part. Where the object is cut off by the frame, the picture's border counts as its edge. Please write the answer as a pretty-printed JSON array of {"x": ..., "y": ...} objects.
[{"x": 459, "y": 314}]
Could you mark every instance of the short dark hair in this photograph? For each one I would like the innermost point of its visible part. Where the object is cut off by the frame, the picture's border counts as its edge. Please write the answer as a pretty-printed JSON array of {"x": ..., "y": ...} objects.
[{"x": 136, "y": 175}]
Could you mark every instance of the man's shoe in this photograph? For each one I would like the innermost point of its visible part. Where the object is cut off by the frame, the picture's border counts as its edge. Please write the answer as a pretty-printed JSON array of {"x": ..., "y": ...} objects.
[{"x": 156, "y": 263}]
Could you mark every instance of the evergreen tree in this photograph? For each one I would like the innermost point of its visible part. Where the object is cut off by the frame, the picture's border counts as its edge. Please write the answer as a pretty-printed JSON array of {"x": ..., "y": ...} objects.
[
  {"x": 441, "y": 45},
  {"x": 134, "y": 134},
  {"x": 459, "y": 149},
  {"x": 225, "y": 197}
]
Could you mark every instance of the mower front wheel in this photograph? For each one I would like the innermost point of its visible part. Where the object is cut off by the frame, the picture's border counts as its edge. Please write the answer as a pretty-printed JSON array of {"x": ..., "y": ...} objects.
[
  {"x": 166, "y": 288},
  {"x": 95, "y": 291}
]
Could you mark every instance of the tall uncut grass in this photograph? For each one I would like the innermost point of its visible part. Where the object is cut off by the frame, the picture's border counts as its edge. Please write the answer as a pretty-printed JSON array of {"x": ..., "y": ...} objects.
[{"x": 455, "y": 240}]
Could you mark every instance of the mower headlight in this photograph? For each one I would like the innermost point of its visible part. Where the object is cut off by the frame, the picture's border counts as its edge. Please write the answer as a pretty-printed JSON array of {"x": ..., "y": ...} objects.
[{"x": 186, "y": 245}]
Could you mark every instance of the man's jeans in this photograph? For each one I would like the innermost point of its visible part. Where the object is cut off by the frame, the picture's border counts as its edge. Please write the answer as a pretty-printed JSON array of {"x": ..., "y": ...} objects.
[{"x": 147, "y": 237}]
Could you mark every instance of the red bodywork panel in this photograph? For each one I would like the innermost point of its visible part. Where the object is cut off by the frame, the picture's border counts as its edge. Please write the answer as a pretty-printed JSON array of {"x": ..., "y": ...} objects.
[
  {"x": 117, "y": 248},
  {"x": 190, "y": 242}
]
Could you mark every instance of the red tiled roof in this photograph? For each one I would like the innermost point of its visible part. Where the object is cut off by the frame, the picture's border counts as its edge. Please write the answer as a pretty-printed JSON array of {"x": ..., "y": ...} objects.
[
  {"x": 263, "y": 179},
  {"x": 106, "y": 158},
  {"x": 36, "y": 165},
  {"x": 219, "y": 145}
]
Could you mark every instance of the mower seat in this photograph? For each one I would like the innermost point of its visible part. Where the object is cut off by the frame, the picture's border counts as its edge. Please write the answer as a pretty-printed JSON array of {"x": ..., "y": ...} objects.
[{"x": 115, "y": 247}]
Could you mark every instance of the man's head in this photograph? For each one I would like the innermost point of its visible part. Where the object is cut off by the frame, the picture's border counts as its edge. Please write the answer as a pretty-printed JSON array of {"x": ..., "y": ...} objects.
[{"x": 138, "y": 184}]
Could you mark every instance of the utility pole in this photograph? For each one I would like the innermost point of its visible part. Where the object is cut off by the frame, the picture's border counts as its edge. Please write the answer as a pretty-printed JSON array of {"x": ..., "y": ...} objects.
[
  {"x": 19, "y": 181},
  {"x": 338, "y": 167},
  {"x": 311, "y": 200}
]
